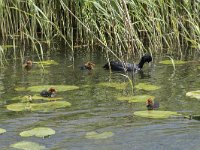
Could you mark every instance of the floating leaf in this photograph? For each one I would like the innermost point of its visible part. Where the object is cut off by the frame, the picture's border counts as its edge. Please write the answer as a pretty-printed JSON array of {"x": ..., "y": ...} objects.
[
  {"x": 38, "y": 106},
  {"x": 2, "y": 131},
  {"x": 116, "y": 85},
  {"x": 137, "y": 98},
  {"x": 20, "y": 89},
  {"x": 194, "y": 94},
  {"x": 147, "y": 87},
  {"x": 176, "y": 62},
  {"x": 198, "y": 67},
  {"x": 38, "y": 132},
  {"x": 60, "y": 88},
  {"x": 155, "y": 114},
  {"x": 47, "y": 62},
  {"x": 35, "y": 97},
  {"x": 95, "y": 135},
  {"x": 19, "y": 106},
  {"x": 24, "y": 145}
]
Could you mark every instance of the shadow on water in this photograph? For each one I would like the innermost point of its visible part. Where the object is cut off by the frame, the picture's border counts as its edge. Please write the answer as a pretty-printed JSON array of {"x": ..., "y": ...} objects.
[{"x": 95, "y": 108}]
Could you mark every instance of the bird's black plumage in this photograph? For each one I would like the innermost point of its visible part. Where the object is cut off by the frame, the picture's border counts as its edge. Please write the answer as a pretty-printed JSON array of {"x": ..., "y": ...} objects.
[{"x": 122, "y": 66}]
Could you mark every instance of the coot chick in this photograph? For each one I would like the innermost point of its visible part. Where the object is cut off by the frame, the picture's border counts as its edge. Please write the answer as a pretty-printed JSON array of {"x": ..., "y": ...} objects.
[
  {"x": 28, "y": 65},
  {"x": 122, "y": 66},
  {"x": 50, "y": 93},
  {"x": 150, "y": 104},
  {"x": 88, "y": 66}
]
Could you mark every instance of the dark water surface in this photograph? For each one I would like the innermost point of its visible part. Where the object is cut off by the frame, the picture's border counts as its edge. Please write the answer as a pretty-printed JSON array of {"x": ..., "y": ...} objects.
[{"x": 96, "y": 109}]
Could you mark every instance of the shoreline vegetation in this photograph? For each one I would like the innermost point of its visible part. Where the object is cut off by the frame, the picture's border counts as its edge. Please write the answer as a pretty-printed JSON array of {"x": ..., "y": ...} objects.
[{"x": 119, "y": 26}]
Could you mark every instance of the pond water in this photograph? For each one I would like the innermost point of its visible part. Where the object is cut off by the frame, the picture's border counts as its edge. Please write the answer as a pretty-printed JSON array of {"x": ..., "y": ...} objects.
[{"x": 95, "y": 108}]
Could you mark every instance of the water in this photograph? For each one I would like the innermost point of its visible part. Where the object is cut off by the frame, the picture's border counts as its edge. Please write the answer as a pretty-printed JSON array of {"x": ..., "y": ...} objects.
[{"x": 96, "y": 109}]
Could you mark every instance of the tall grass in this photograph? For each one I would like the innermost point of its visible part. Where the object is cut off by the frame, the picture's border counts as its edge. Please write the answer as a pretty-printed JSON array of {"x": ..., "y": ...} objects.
[{"x": 121, "y": 26}]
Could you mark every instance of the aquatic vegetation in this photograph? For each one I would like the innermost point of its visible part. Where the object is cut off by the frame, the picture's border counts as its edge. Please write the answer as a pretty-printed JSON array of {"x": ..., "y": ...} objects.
[
  {"x": 133, "y": 99},
  {"x": 194, "y": 94},
  {"x": 59, "y": 88},
  {"x": 155, "y": 114},
  {"x": 38, "y": 132},
  {"x": 21, "y": 89},
  {"x": 47, "y": 62},
  {"x": 116, "y": 85},
  {"x": 25, "y": 145},
  {"x": 38, "y": 106},
  {"x": 35, "y": 97},
  {"x": 147, "y": 87},
  {"x": 176, "y": 62},
  {"x": 96, "y": 135},
  {"x": 39, "y": 88},
  {"x": 2, "y": 131}
]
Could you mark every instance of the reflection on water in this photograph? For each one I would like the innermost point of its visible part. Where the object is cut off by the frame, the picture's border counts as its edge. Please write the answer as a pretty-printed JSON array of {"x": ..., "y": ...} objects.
[{"x": 95, "y": 108}]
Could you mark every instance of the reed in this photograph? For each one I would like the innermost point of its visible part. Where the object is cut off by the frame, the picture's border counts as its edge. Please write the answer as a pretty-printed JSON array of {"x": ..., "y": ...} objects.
[{"x": 120, "y": 26}]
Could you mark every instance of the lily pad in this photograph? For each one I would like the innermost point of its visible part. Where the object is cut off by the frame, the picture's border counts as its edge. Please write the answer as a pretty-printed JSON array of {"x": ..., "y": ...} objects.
[
  {"x": 169, "y": 62},
  {"x": 155, "y": 114},
  {"x": 35, "y": 97},
  {"x": 60, "y": 88},
  {"x": 38, "y": 132},
  {"x": 47, "y": 62},
  {"x": 137, "y": 98},
  {"x": 147, "y": 87},
  {"x": 24, "y": 145},
  {"x": 116, "y": 85},
  {"x": 95, "y": 135},
  {"x": 2, "y": 131},
  {"x": 198, "y": 67},
  {"x": 20, "y": 89},
  {"x": 38, "y": 106},
  {"x": 194, "y": 94}
]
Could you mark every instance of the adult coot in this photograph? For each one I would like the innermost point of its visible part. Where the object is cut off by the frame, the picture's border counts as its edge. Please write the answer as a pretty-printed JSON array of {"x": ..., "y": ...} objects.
[{"x": 122, "y": 66}]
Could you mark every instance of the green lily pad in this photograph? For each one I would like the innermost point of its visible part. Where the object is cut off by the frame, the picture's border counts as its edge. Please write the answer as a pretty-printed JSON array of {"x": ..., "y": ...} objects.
[
  {"x": 194, "y": 94},
  {"x": 198, "y": 67},
  {"x": 137, "y": 98},
  {"x": 95, "y": 135},
  {"x": 38, "y": 132},
  {"x": 2, "y": 131},
  {"x": 169, "y": 62},
  {"x": 47, "y": 62},
  {"x": 20, "y": 89},
  {"x": 155, "y": 114},
  {"x": 60, "y": 88},
  {"x": 24, "y": 145},
  {"x": 147, "y": 87},
  {"x": 116, "y": 85},
  {"x": 39, "y": 88},
  {"x": 38, "y": 106},
  {"x": 35, "y": 97}
]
